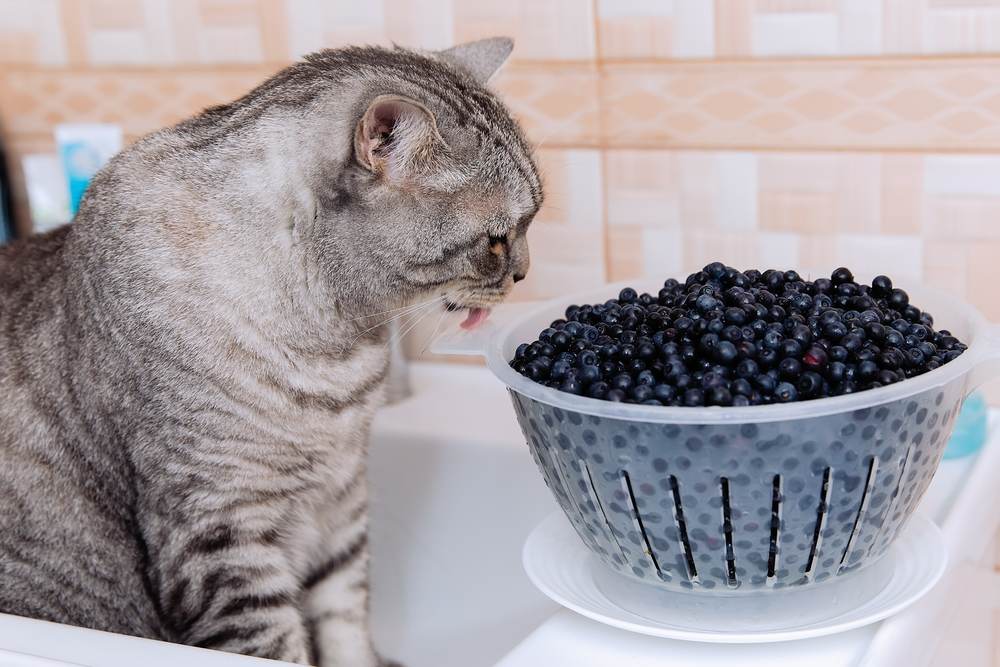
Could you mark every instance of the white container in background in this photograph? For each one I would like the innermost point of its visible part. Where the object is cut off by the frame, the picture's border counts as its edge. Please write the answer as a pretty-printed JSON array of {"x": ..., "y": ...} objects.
[{"x": 48, "y": 195}]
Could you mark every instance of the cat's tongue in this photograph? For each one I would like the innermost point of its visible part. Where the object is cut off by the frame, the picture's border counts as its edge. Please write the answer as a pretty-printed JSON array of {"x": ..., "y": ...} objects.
[{"x": 475, "y": 317}]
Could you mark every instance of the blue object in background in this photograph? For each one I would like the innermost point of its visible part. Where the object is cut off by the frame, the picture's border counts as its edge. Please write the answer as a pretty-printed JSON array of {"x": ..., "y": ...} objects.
[
  {"x": 83, "y": 149},
  {"x": 81, "y": 162},
  {"x": 6, "y": 209},
  {"x": 970, "y": 428}
]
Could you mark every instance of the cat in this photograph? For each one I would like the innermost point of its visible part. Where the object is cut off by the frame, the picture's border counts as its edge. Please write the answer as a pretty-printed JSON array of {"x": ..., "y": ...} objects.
[{"x": 189, "y": 370}]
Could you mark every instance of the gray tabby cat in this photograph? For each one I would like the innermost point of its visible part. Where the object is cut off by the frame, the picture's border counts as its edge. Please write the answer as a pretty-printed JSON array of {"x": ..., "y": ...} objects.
[{"x": 187, "y": 374}]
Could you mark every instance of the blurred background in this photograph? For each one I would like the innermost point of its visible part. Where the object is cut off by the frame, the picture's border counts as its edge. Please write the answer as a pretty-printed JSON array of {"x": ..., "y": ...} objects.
[{"x": 806, "y": 133}]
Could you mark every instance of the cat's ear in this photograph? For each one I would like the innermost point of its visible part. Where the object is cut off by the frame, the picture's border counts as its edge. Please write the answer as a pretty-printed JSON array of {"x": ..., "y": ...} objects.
[
  {"x": 482, "y": 59},
  {"x": 395, "y": 136}
]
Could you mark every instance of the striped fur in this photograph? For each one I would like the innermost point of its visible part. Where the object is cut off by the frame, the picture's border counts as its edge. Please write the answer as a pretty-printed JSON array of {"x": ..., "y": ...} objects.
[{"x": 189, "y": 371}]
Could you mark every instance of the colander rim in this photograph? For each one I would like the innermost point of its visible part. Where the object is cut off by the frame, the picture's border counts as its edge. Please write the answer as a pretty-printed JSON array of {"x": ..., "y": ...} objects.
[{"x": 498, "y": 364}]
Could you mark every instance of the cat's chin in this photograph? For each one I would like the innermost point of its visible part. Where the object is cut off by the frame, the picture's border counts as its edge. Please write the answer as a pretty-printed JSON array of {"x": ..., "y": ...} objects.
[{"x": 475, "y": 317}]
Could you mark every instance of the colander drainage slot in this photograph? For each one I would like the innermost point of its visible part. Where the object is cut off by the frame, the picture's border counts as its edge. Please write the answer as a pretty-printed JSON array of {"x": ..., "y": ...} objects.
[
  {"x": 682, "y": 534},
  {"x": 592, "y": 491},
  {"x": 891, "y": 509},
  {"x": 639, "y": 527},
  {"x": 727, "y": 530},
  {"x": 821, "y": 512},
  {"x": 585, "y": 529},
  {"x": 773, "y": 545},
  {"x": 862, "y": 510}
]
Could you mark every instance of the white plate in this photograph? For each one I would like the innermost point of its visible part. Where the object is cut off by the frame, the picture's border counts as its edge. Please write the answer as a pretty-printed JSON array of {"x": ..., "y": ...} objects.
[{"x": 562, "y": 568}]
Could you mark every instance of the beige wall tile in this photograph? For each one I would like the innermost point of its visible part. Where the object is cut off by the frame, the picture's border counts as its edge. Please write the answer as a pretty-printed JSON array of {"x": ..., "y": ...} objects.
[
  {"x": 902, "y": 181},
  {"x": 557, "y": 103},
  {"x": 542, "y": 29},
  {"x": 624, "y": 259},
  {"x": 567, "y": 237},
  {"x": 138, "y": 100},
  {"x": 31, "y": 32},
  {"x": 981, "y": 277},
  {"x": 642, "y": 188},
  {"x": 659, "y": 30},
  {"x": 863, "y": 105}
]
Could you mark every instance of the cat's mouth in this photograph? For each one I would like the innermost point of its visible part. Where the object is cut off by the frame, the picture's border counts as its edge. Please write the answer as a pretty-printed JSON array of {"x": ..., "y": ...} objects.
[{"x": 473, "y": 319}]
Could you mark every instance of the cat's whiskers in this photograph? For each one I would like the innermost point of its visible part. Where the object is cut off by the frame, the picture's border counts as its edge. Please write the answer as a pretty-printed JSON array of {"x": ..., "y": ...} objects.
[
  {"x": 437, "y": 326},
  {"x": 408, "y": 310},
  {"x": 393, "y": 310},
  {"x": 412, "y": 324}
]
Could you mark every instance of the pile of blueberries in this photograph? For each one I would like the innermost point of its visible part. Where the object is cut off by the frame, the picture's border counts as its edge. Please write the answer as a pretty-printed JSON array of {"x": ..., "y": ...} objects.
[{"x": 730, "y": 338}]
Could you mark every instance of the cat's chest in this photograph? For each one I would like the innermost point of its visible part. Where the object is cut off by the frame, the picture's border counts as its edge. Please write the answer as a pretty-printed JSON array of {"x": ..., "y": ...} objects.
[{"x": 322, "y": 401}]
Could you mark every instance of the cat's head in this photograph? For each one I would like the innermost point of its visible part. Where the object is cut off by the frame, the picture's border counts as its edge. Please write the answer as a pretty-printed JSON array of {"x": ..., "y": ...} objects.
[{"x": 435, "y": 191}]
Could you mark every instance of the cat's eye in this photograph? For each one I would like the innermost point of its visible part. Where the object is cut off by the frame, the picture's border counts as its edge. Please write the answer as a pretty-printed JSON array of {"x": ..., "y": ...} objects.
[{"x": 498, "y": 240}]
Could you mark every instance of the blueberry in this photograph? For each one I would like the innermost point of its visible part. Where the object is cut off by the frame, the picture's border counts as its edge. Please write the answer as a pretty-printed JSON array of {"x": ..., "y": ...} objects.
[
  {"x": 841, "y": 275},
  {"x": 664, "y": 393},
  {"x": 835, "y": 371},
  {"x": 586, "y": 358},
  {"x": 899, "y": 299},
  {"x": 790, "y": 368},
  {"x": 735, "y": 316},
  {"x": 785, "y": 392},
  {"x": 881, "y": 287},
  {"x": 809, "y": 384},
  {"x": 622, "y": 381},
  {"x": 597, "y": 390},
  {"x": 815, "y": 358},
  {"x": 615, "y": 395},
  {"x": 571, "y": 386},
  {"x": 747, "y": 368},
  {"x": 645, "y": 377},
  {"x": 694, "y": 397},
  {"x": 589, "y": 373},
  {"x": 742, "y": 387},
  {"x": 790, "y": 348},
  {"x": 767, "y": 357},
  {"x": 765, "y": 383},
  {"x": 867, "y": 370},
  {"x": 627, "y": 295},
  {"x": 706, "y": 303},
  {"x": 559, "y": 369},
  {"x": 641, "y": 392},
  {"x": 835, "y": 330},
  {"x": 887, "y": 377},
  {"x": 726, "y": 353},
  {"x": 719, "y": 396}
]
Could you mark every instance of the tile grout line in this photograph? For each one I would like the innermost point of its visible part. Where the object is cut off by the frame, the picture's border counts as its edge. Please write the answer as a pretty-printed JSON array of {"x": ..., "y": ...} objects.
[{"x": 601, "y": 143}]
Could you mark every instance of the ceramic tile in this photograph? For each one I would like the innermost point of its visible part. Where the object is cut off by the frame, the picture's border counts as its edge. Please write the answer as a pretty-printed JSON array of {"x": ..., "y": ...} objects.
[
  {"x": 863, "y": 105},
  {"x": 642, "y": 188},
  {"x": 556, "y": 103},
  {"x": 902, "y": 181},
  {"x": 659, "y": 30},
  {"x": 31, "y": 33},
  {"x": 542, "y": 29}
]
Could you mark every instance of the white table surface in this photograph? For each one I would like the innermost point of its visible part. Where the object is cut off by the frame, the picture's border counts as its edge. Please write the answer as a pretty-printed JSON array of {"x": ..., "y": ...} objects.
[{"x": 961, "y": 500}]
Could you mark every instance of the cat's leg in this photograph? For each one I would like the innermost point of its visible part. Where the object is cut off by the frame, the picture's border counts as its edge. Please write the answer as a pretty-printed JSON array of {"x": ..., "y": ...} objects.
[
  {"x": 335, "y": 588},
  {"x": 235, "y": 591}
]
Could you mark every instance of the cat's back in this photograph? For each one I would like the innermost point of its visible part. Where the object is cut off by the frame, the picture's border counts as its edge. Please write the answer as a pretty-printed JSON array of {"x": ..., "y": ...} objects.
[{"x": 67, "y": 553}]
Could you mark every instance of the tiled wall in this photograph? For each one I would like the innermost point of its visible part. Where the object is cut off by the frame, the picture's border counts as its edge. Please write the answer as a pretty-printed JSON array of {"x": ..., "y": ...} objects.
[{"x": 672, "y": 132}]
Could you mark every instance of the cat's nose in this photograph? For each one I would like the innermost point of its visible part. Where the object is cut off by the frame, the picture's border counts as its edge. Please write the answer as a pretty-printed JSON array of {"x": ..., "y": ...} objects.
[{"x": 518, "y": 277}]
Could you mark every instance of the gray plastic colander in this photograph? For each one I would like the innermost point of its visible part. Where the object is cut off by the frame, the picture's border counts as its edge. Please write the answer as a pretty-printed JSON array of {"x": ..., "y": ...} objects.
[{"x": 734, "y": 500}]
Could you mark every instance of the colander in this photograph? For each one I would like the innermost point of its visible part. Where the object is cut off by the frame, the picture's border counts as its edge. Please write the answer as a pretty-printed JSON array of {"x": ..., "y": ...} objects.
[{"x": 746, "y": 499}]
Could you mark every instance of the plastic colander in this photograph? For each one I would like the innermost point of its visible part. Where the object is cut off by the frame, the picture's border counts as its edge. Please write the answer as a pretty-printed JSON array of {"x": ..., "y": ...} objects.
[{"x": 747, "y": 499}]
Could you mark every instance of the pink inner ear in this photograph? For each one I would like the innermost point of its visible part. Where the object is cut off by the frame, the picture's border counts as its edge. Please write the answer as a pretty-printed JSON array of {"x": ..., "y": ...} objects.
[{"x": 384, "y": 117}]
